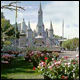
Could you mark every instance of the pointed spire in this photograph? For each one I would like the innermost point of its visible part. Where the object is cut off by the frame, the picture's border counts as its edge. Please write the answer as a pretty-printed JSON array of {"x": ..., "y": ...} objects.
[
  {"x": 29, "y": 25},
  {"x": 40, "y": 5},
  {"x": 51, "y": 25},
  {"x": 40, "y": 8},
  {"x": 23, "y": 20},
  {"x": 63, "y": 28}
]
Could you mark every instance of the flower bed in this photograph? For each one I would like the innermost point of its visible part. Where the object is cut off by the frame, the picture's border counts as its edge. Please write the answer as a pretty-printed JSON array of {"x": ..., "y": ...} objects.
[
  {"x": 6, "y": 58},
  {"x": 36, "y": 56},
  {"x": 60, "y": 68},
  {"x": 11, "y": 50}
]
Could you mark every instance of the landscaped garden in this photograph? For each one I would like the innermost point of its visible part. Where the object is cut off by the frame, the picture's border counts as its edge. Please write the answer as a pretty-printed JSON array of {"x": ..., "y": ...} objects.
[
  {"x": 34, "y": 62},
  {"x": 19, "y": 69},
  {"x": 37, "y": 65}
]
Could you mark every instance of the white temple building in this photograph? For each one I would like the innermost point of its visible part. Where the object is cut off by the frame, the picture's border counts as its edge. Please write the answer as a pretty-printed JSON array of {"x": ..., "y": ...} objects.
[{"x": 38, "y": 37}]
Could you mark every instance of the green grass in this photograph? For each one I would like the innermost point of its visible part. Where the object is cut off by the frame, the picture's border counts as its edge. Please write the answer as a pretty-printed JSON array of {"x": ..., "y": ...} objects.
[{"x": 19, "y": 69}]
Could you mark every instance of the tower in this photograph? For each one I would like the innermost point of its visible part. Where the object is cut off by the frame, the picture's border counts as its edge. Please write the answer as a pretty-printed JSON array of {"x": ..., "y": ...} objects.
[
  {"x": 29, "y": 34},
  {"x": 50, "y": 32},
  {"x": 40, "y": 25},
  {"x": 29, "y": 31},
  {"x": 63, "y": 29},
  {"x": 23, "y": 27}
]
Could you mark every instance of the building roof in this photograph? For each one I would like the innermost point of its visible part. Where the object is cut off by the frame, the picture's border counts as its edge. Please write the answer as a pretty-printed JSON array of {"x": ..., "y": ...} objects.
[{"x": 39, "y": 36}]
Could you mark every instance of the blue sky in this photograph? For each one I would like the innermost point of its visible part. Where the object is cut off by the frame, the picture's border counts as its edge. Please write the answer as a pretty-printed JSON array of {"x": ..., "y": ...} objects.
[{"x": 52, "y": 10}]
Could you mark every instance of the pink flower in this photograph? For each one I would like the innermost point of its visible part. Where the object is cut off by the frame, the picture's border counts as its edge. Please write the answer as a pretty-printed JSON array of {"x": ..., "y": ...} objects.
[
  {"x": 64, "y": 77},
  {"x": 42, "y": 63},
  {"x": 54, "y": 61},
  {"x": 50, "y": 67},
  {"x": 32, "y": 52},
  {"x": 29, "y": 60},
  {"x": 66, "y": 57},
  {"x": 5, "y": 62},
  {"x": 57, "y": 63},
  {"x": 78, "y": 61},
  {"x": 47, "y": 53},
  {"x": 45, "y": 58},
  {"x": 42, "y": 55},
  {"x": 74, "y": 63}
]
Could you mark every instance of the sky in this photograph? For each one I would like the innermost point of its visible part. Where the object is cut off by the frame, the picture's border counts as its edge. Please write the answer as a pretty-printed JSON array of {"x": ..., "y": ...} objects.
[{"x": 55, "y": 11}]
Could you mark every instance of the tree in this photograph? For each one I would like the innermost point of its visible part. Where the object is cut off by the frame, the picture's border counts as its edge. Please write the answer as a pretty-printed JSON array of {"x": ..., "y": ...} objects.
[
  {"x": 58, "y": 37},
  {"x": 2, "y": 16},
  {"x": 7, "y": 30},
  {"x": 71, "y": 44}
]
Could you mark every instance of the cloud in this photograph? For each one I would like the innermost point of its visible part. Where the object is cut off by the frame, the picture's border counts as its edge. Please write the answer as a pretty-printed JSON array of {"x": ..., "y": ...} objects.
[
  {"x": 67, "y": 10},
  {"x": 52, "y": 10}
]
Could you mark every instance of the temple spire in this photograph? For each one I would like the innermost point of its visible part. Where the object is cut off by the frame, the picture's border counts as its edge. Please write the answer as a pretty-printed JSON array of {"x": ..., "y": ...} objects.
[
  {"x": 63, "y": 28},
  {"x": 40, "y": 7},
  {"x": 51, "y": 25},
  {"x": 23, "y": 19},
  {"x": 29, "y": 25}
]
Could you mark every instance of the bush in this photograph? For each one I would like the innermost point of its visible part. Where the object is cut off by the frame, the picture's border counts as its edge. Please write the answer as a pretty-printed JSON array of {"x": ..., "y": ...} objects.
[
  {"x": 60, "y": 69},
  {"x": 36, "y": 56},
  {"x": 7, "y": 43},
  {"x": 11, "y": 50},
  {"x": 71, "y": 44},
  {"x": 7, "y": 58}
]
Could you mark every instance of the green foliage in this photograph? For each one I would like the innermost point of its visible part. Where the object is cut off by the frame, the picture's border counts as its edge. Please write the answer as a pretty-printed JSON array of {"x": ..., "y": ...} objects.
[
  {"x": 7, "y": 30},
  {"x": 7, "y": 43},
  {"x": 36, "y": 49},
  {"x": 19, "y": 69},
  {"x": 2, "y": 16},
  {"x": 56, "y": 36},
  {"x": 60, "y": 69},
  {"x": 5, "y": 26},
  {"x": 71, "y": 44}
]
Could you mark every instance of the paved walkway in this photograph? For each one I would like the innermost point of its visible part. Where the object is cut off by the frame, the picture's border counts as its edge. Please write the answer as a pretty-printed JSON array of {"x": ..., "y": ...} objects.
[{"x": 71, "y": 54}]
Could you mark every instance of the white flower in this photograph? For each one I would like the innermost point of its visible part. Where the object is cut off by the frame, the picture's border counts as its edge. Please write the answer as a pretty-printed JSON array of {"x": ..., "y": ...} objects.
[
  {"x": 77, "y": 55},
  {"x": 71, "y": 59},
  {"x": 47, "y": 53},
  {"x": 41, "y": 69},
  {"x": 52, "y": 58},
  {"x": 52, "y": 64},
  {"x": 57, "y": 63}
]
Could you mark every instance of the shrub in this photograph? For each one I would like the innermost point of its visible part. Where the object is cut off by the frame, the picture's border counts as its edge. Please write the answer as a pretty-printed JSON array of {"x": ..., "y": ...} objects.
[
  {"x": 36, "y": 56},
  {"x": 7, "y": 58},
  {"x": 60, "y": 68},
  {"x": 7, "y": 43},
  {"x": 11, "y": 50}
]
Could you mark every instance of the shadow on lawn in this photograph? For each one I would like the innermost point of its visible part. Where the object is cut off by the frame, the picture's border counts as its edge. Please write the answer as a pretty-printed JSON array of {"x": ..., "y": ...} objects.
[{"x": 20, "y": 66}]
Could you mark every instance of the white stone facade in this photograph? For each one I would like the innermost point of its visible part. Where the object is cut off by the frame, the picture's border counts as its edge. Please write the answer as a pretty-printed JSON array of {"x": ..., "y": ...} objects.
[{"x": 39, "y": 37}]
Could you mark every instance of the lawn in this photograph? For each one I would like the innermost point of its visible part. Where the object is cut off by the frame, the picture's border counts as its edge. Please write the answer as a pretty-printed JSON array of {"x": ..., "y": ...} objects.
[{"x": 19, "y": 69}]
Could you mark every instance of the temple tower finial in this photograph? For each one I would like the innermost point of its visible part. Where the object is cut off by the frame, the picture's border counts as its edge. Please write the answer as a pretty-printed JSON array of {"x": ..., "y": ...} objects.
[
  {"x": 29, "y": 25},
  {"x": 51, "y": 25},
  {"x": 63, "y": 28}
]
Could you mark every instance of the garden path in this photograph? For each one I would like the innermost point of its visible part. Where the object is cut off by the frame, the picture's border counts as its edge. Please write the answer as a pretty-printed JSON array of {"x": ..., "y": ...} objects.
[{"x": 71, "y": 54}]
